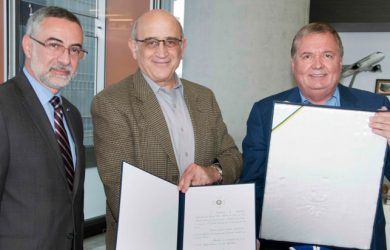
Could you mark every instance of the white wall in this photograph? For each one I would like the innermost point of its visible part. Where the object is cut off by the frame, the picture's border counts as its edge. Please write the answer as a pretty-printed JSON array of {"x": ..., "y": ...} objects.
[{"x": 241, "y": 50}]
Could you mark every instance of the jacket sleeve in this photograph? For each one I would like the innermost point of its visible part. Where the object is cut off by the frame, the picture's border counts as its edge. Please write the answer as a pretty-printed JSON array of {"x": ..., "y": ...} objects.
[
  {"x": 255, "y": 152},
  {"x": 4, "y": 154},
  {"x": 387, "y": 160}
]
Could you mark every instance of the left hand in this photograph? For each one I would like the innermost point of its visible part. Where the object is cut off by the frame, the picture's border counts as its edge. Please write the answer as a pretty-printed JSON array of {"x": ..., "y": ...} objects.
[
  {"x": 196, "y": 175},
  {"x": 380, "y": 123}
]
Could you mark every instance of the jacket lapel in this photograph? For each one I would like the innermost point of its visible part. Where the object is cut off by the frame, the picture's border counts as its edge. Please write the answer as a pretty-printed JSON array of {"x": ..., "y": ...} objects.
[
  {"x": 198, "y": 118},
  {"x": 294, "y": 96},
  {"x": 38, "y": 115},
  {"x": 151, "y": 111},
  {"x": 347, "y": 100}
]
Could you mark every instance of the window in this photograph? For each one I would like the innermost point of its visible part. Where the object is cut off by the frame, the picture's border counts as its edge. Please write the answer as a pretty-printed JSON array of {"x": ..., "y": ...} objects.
[{"x": 90, "y": 74}]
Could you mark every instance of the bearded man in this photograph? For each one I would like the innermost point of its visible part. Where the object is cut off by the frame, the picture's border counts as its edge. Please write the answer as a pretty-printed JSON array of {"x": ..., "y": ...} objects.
[{"x": 42, "y": 163}]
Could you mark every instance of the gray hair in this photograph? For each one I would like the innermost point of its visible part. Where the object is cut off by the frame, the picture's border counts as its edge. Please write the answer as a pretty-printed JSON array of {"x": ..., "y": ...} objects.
[
  {"x": 316, "y": 28},
  {"x": 35, "y": 20}
]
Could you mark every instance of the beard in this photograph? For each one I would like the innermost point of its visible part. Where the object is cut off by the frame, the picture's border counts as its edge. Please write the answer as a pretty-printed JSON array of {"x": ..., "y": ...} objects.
[
  {"x": 55, "y": 81},
  {"x": 48, "y": 76}
]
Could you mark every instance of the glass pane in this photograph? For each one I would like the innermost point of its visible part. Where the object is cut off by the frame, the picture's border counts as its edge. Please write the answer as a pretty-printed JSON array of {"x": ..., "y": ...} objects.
[
  {"x": 83, "y": 7},
  {"x": 82, "y": 88}
]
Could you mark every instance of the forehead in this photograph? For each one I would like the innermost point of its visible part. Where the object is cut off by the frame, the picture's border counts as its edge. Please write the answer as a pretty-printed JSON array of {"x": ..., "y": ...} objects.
[
  {"x": 158, "y": 25},
  {"x": 60, "y": 28},
  {"x": 317, "y": 42}
]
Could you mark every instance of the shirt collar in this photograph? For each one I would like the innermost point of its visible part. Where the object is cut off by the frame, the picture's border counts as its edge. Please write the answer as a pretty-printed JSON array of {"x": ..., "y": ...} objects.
[
  {"x": 334, "y": 100},
  {"x": 156, "y": 88},
  {"x": 44, "y": 95}
]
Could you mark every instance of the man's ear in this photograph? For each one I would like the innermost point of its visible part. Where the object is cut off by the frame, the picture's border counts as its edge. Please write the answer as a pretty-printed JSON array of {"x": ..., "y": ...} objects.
[
  {"x": 133, "y": 48},
  {"x": 183, "y": 46},
  {"x": 27, "y": 46},
  {"x": 184, "y": 43},
  {"x": 341, "y": 65},
  {"x": 292, "y": 64}
]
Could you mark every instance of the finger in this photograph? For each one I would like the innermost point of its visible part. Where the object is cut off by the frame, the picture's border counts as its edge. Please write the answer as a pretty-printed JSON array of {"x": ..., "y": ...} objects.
[
  {"x": 187, "y": 178},
  {"x": 380, "y": 119},
  {"x": 184, "y": 184},
  {"x": 203, "y": 176},
  {"x": 381, "y": 132}
]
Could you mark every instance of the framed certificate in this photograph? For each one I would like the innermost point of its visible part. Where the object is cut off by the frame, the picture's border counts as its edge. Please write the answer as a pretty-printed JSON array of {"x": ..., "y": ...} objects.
[
  {"x": 323, "y": 177},
  {"x": 382, "y": 86}
]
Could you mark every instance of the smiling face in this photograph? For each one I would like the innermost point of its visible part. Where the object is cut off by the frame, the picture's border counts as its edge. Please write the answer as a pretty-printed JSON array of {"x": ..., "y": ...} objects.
[
  {"x": 159, "y": 63},
  {"x": 51, "y": 70},
  {"x": 317, "y": 65}
]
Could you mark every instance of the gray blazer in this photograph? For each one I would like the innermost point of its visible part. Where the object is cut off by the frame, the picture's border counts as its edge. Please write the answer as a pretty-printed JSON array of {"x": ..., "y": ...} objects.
[
  {"x": 129, "y": 126},
  {"x": 37, "y": 209}
]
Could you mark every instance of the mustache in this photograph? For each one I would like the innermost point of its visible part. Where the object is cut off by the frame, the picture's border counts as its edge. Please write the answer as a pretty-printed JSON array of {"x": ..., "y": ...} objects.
[{"x": 61, "y": 67}]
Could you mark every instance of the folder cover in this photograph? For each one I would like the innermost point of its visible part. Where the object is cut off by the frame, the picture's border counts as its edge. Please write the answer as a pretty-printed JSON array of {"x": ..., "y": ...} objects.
[
  {"x": 154, "y": 215},
  {"x": 323, "y": 177}
]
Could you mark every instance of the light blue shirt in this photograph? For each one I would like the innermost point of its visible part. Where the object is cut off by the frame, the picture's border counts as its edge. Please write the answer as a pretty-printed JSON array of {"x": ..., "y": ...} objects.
[
  {"x": 44, "y": 96},
  {"x": 333, "y": 101},
  {"x": 178, "y": 120}
]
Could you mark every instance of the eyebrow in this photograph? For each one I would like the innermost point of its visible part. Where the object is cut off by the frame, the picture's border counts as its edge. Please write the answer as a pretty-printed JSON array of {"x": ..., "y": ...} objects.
[
  {"x": 323, "y": 52},
  {"x": 305, "y": 53},
  {"x": 165, "y": 38},
  {"x": 330, "y": 51},
  {"x": 60, "y": 41}
]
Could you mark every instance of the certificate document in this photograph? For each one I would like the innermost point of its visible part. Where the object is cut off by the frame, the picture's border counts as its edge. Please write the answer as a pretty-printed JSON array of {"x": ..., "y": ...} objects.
[
  {"x": 154, "y": 215},
  {"x": 323, "y": 177}
]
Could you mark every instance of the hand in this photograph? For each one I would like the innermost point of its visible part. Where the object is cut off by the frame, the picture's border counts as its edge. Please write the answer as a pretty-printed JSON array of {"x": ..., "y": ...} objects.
[
  {"x": 196, "y": 175},
  {"x": 257, "y": 244},
  {"x": 380, "y": 124}
]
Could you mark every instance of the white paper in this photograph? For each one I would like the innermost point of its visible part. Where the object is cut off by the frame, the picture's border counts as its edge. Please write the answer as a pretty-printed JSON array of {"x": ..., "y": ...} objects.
[
  {"x": 323, "y": 177},
  {"x": 148, "y": 214},
  {"x": 220, "y": 217}
]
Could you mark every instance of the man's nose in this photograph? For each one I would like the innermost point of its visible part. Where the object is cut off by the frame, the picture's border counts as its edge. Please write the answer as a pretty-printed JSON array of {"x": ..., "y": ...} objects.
[
  {"x": 64, "y": 57},
  {"x": 317, "y": 62},
  {"x": 162, "y": 49}
]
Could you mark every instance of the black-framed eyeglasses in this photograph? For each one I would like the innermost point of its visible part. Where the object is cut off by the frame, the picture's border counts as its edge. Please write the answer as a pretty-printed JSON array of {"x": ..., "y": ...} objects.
[
  {"x": 57, "y": 49},
  {"x": 153, "y": 43}
]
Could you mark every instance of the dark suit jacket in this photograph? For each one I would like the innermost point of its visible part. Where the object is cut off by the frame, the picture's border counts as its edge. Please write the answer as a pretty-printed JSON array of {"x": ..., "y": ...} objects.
[
  {"x": 37, "y": 209},
  {"x": 129, "y": 126},
  {"x": 256, "y": 144}
]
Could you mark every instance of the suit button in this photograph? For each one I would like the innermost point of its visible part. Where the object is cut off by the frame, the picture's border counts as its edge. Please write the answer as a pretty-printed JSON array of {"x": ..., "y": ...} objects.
[{"x": 70, "y": 236}]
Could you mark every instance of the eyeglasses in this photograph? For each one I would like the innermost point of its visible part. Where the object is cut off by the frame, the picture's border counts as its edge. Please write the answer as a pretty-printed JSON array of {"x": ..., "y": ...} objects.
[
  {"x": 56, "y": 48},
  {"x": 153, "y": 43}
]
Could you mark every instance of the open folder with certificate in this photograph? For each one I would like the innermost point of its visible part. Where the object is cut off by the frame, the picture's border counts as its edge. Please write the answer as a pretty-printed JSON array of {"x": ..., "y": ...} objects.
[
  {"x": 323, "y": 177},
  {"x": 153, "y": 214}
]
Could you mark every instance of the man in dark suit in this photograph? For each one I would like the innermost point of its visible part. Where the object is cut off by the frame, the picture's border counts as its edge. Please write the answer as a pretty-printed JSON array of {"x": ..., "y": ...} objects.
[
  {"x": 41, "y": 140},
  {"x": 316, "y": 58},
  {"x": 155, "y": 121}
]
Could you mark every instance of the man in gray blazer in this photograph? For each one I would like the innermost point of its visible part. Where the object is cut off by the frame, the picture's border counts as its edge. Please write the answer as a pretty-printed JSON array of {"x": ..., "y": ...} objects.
[
  {"x": 169, "y": 127},
  {"x": 41, "y": 144}
]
